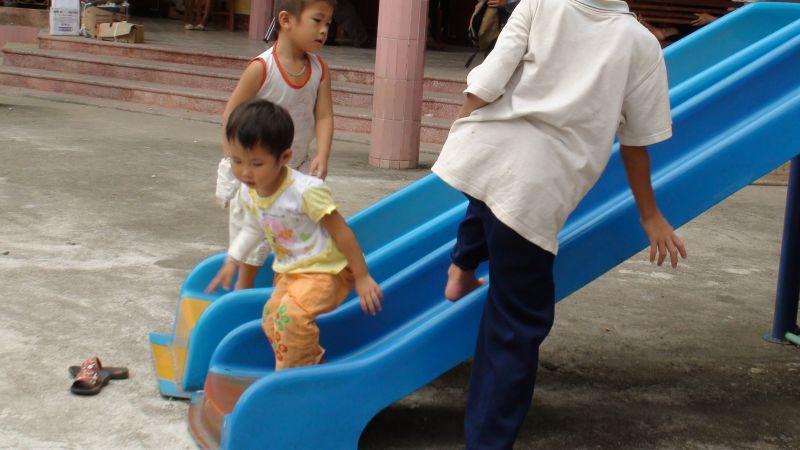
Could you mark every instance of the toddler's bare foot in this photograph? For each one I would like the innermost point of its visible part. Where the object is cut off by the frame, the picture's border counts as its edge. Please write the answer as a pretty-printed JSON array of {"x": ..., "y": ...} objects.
[{"x": 460, "y": 283}]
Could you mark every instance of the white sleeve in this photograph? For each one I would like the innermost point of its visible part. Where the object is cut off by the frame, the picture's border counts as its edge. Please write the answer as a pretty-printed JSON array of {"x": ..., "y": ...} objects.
[
  {"x": 250, "y": 236},
  {"x": 646, "y": 117},
  {"x": 227, "y": 184},
  {"x": 488, "y": 81}
]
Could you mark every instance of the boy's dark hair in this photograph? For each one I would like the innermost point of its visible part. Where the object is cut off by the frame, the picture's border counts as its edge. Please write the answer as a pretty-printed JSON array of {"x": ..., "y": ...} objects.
[
  {"x": 296, "y": 7},
  {"x": 261, "y": 124},
  {"x": 293, "y": 7}
]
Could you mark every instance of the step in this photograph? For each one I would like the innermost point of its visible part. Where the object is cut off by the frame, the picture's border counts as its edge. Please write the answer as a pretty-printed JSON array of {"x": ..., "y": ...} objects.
[
  {"x": 232, "y": 62},
  {"x": 353, "y": 119},
  {"x": 434, "y": 130},
  {"x": 150, "y": 71},
  {"x": 120, "y": 105},
  {"x": 441, "y": 104},
  {"x": 429, "y": 84},
  {"x": 114, "y": 88},
  {"x": 434, "y": 104},
  {"x": 201, "y": 77},
  {"x": 364, "y": 139},
  {"x": 141, "y": 51},
  {"x": 339, "y": 135}
]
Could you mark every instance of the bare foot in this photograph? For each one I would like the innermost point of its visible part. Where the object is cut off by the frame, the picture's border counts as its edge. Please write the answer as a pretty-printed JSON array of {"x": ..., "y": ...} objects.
[{"x": 460, "y": 283}]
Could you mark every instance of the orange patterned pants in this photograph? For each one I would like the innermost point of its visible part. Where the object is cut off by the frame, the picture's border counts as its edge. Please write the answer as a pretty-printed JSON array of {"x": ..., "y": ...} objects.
[{"x": 289, "y": 318}]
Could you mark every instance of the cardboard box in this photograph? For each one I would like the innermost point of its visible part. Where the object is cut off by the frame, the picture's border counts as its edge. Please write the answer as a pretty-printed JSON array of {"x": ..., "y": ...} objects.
[
  {"x": 93, "y": 16},
  {"x": 121, "y": 32}
]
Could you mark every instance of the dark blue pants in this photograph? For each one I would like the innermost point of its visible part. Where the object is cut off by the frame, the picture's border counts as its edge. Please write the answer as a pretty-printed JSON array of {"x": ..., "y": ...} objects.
[{"x": 516, "y": 319}]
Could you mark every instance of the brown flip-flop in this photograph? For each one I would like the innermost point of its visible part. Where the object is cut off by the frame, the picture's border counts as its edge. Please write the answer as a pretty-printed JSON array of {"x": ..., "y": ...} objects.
[
  {"x": 91, "y": 378},
  {"x": 116, "y": 373}
]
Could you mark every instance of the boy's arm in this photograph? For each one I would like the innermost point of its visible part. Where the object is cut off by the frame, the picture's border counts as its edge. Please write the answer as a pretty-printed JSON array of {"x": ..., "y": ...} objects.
[
  {"x": 324, "y": 118},
  {"x": 367, "y": 289},
  {"x": 249, "y": 84},
  {"x": 488, "y": 81},
  {"x": 663, "y": 239}
]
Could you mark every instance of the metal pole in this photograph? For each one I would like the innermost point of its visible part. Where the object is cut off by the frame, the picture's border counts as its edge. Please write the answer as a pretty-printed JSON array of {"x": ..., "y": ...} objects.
[{"x": 786, "y": 300}]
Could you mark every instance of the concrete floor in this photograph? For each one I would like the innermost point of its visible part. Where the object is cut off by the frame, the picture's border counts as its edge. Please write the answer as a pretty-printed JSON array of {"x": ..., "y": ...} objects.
[{"x": 103, "y": 213}]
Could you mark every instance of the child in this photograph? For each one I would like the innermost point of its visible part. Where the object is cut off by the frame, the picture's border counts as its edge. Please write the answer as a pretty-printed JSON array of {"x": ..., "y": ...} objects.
[
  {"x": 536, "y": 132},
  {"x": 317, "y": 257},
  {"x": 290, "y": 75},
  {"x": 197, "y": 14}
]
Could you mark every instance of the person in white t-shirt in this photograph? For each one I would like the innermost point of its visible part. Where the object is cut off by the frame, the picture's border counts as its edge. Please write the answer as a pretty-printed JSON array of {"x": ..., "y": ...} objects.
[{"x": 536, "y": 131}]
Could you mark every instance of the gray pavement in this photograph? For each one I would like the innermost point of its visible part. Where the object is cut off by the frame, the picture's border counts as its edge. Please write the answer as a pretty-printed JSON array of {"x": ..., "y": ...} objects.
[{"x": 103, "y": 213}]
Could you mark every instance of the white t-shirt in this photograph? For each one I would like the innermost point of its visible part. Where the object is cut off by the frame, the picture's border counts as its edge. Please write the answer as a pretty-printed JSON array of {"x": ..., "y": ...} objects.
[{"x": 563, "y": 79}]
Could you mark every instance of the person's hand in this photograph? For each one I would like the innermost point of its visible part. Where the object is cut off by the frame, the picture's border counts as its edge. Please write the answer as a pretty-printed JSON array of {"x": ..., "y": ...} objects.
[
  {"x": 319, "y": 168},
  {"x": 498, "y": 3},
  {"x": 663, "y": 240},
  {"x": 703, "y": 19},
  {"x": 370, "y": 294},
  {"x": 224, "y": 276}
]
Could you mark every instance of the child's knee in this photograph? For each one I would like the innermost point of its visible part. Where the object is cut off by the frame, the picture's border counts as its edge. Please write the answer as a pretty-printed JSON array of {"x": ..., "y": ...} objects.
[
  {"x": 296, "y": 336},
  {"x": 268, "y": 318}
]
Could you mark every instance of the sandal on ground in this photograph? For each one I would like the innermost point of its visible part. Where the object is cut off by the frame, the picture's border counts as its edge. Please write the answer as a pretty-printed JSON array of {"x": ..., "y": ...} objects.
[
  {"x": 91, "y": 378},
  {"x": 116, "y": 373}
]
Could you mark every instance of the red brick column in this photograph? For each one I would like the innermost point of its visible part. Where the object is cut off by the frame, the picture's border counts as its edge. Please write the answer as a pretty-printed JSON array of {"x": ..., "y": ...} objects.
[
  {"x": 260, "y": 16},
  {"x": 397, "y": 102}
]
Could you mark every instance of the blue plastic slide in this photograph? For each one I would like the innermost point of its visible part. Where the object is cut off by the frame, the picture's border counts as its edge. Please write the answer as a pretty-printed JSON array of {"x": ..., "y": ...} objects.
[
  {"x": 202, "y": 320},
  {"x": 736, "y": 103}
]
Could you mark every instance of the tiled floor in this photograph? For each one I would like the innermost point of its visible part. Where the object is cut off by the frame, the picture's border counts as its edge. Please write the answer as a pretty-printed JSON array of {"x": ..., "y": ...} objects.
[{"x": 170, "y": 33}]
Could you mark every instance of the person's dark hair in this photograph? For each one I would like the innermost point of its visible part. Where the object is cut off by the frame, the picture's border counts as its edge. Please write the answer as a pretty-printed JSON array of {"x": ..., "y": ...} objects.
[
  {"x": 296, "y": 7},
  {"x": 261, "y": 124},
  {"x": 293, "y": 7}
]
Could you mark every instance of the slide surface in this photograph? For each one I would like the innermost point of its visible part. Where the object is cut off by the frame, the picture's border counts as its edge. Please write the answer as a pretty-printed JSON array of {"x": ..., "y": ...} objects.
[{"x": 736, "y": 103}]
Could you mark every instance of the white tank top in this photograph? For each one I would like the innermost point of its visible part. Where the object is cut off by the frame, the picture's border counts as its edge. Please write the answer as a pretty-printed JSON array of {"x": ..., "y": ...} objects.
[{"x": 299, "y": 100}]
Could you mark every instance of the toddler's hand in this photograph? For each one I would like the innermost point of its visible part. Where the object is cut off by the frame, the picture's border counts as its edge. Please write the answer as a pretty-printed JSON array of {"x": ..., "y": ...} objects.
[
  {"x": 663, "y": 240},
  {"x": 370, "y": 294},
  {"x": 319, "y": 168},
  {"x": 224, "y": 277}
]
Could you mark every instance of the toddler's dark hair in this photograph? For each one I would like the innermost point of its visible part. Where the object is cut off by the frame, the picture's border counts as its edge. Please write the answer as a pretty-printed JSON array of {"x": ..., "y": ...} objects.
[
  {"x": 261, "y": 124},
  {"x": 296, "y": 7}
]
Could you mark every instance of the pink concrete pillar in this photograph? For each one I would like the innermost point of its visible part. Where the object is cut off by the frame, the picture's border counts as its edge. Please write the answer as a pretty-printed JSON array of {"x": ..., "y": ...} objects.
[
  {"x": 260, "y": 17},
  {"x": 399, "y": 67}
]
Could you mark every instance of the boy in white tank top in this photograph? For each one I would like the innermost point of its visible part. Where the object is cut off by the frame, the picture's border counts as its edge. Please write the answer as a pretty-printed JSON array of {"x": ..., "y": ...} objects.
[{"x": 289, "y": 74}]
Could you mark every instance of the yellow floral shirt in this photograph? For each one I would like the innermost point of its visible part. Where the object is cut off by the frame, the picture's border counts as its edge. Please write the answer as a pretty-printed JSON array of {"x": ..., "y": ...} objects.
[{"x": 289, "y": 220}]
